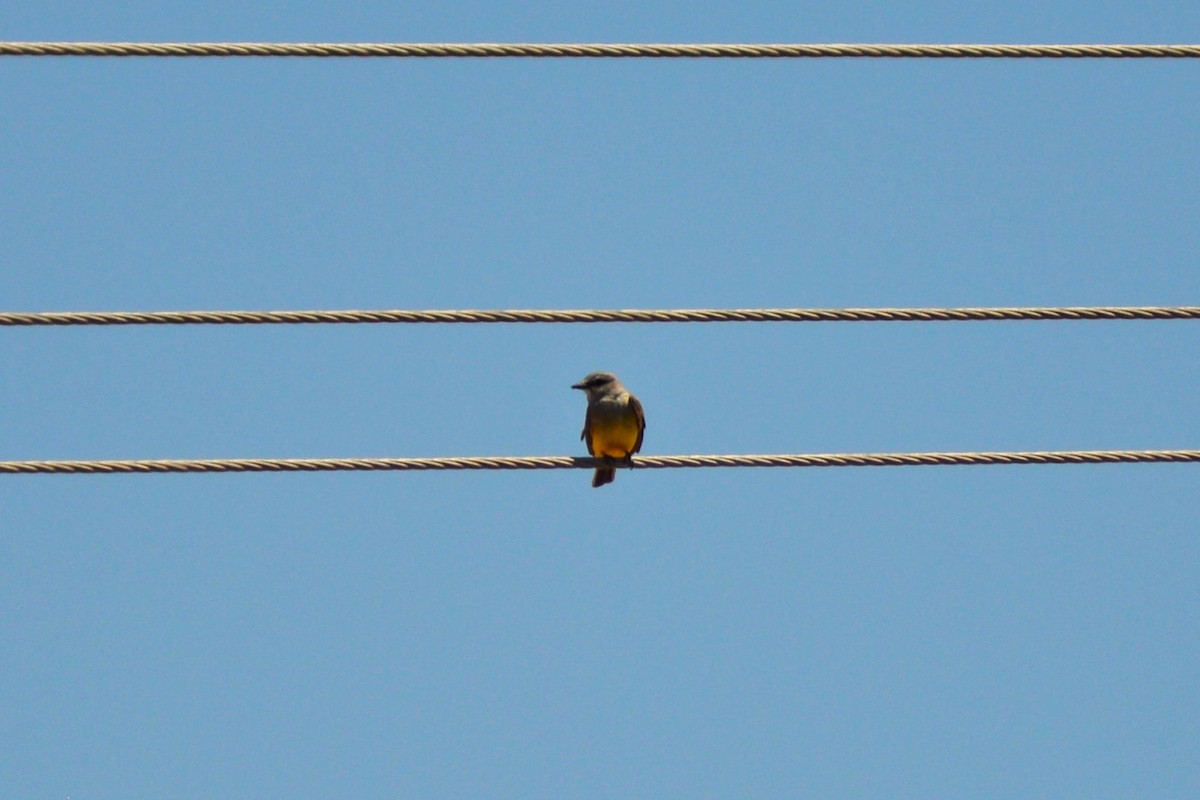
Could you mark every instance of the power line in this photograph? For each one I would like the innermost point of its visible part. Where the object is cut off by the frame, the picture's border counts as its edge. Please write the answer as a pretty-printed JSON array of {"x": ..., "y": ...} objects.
[
  {"x": 594, "y": 50},
  {"x": 601, "y": 315},
  {"x": 567, "y": 462}
]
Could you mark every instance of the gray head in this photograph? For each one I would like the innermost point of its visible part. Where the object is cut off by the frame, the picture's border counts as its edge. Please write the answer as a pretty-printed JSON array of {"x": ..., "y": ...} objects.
[{"x": 598, "y": 384}]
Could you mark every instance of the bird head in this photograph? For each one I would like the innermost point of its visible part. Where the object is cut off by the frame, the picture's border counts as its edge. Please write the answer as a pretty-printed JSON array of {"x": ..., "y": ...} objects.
[{"x": 597, "y": 384}]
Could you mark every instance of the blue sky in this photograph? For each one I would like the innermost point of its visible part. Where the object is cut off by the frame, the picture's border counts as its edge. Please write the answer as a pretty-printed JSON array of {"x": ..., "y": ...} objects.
[{"x": 984, "y": 632}]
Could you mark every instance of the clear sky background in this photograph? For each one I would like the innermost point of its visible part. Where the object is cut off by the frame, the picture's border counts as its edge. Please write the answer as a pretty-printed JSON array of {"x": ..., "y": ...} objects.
[{"x": 918, "y": 632}]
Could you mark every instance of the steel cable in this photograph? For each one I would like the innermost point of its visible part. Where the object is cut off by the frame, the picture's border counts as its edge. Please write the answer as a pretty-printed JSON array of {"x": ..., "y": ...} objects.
[
  {"x": 599, "y": 315},
  {"x": 568, "y": 462},
  {"x": 592, "y": 50}
]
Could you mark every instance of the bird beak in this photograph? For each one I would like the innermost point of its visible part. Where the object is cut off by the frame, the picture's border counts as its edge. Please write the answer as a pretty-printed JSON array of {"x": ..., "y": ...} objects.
[{"x": 577, "y": 386}]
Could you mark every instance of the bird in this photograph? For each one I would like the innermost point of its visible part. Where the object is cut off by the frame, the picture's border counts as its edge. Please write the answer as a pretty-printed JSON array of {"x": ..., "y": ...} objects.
[{"x": 614, "y": 424}]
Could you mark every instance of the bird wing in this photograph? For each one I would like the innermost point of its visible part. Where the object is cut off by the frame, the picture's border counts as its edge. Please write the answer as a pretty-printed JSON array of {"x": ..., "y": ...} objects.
[{"x": 641, "y": 420}]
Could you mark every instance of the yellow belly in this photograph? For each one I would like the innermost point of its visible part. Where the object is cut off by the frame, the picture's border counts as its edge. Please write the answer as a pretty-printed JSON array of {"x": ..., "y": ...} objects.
[{"x": 614, "y": 438}]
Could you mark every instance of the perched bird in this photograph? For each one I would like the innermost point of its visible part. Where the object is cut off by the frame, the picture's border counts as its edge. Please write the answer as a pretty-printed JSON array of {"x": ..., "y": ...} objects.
[{"x": 614, "y": 423}]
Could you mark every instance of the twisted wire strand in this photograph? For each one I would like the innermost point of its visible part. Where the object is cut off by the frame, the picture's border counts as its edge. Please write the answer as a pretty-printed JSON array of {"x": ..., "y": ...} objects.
[
  {"x": 594, "y": 50},
  {"x": 599, "y": 315},
  {"x": 567, "y": 462}
]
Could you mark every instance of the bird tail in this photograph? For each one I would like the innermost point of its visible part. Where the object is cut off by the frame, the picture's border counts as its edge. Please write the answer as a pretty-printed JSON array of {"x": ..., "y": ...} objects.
[{"x": 604, "y": 475}]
